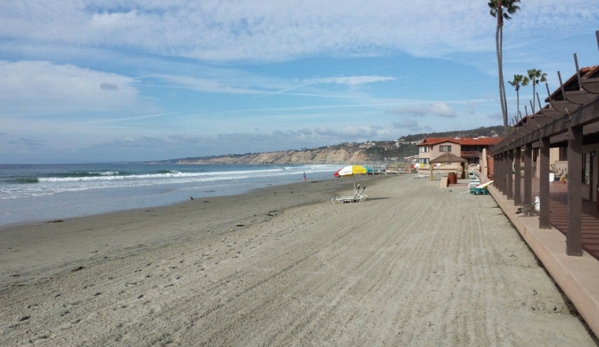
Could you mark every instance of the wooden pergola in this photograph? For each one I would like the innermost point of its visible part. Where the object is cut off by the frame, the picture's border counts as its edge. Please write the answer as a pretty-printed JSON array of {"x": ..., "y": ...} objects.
[
  {"x": 570, "y": 119},
  {"x": 445, "y": 158}
]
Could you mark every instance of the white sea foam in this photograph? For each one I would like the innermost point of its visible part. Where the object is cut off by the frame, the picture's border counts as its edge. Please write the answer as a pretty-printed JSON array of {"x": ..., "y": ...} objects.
[
  {"x": 115, "y": 179},
  {"x": 59, "y": 191}
]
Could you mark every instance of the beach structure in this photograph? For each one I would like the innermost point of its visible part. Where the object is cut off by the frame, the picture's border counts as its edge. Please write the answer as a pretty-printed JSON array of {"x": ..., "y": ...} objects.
[
  {"x": 569, "y": 124},
  {"x": 447, "y": 158},
  {"x": 473, "y": 150}
]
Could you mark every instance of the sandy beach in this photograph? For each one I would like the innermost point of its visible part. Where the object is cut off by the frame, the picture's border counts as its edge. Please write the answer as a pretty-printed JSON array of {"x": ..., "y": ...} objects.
[{"x": 414, "y": 265}]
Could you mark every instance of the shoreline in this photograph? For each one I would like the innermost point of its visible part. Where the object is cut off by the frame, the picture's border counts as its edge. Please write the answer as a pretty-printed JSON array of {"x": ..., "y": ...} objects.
[
  {"x": 283, "y": 266},
  {"x": 35, "y": 194},
  {"x": 58, "y": 243}
]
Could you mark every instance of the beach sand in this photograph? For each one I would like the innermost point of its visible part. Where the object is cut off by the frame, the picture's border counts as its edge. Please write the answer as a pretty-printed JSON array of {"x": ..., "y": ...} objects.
[{"x": 283, "y": 266}]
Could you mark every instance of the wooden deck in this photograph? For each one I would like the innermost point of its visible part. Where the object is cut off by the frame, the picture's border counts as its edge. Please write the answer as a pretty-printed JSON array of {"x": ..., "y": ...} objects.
[
  {"x": 559, "y": 213},
  {"x": 559, "y": 216},
  {"x": 590, "y": 221}
]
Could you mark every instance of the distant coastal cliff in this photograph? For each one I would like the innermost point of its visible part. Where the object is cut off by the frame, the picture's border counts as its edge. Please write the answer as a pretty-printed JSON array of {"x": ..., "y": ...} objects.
[
  {"x": 314, "y": 156},
  {"x": 396, "y": 151}
]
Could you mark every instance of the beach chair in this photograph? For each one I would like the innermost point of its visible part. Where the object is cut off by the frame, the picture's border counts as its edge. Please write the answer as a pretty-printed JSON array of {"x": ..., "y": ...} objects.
[
  {"x": 361, "y": 196},
  {"x": 480, "y": 189},
  {"x": 474, "y": 180},
  {"x": 358, "y": 196}
]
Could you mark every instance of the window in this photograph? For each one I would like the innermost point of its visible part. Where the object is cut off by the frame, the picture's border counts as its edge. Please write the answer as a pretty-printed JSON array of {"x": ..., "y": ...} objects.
[
  {"x": 444, "y": 148},
  {"x": 423, "y": 149},
  {"x": 423, "y": 161}
]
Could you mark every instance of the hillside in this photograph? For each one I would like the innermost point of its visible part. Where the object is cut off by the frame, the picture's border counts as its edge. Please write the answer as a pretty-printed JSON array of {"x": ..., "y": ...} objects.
[
  {"x": 493, "y": 131},
  {"x": 357, "y": 153}
]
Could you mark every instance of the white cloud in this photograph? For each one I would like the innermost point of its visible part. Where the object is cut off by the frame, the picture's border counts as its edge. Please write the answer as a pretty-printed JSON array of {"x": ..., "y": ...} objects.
[
  {"x": 411, "y": 125},
  {"x": 351, "y": 80},
  {"x": 208, "y": 85},
  {"x": 437, "y": 109},
  {"x": 143, "y": 46},
  {"x": 33, "y": 87},
  {"x": 351, "y": 133},
  {"x": 238, "y": 82},
  {"x": 261, "y": 30}
]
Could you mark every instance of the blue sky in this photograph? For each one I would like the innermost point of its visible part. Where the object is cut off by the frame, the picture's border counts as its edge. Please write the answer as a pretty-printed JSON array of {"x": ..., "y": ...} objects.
[{"x": 101, "y": 80}]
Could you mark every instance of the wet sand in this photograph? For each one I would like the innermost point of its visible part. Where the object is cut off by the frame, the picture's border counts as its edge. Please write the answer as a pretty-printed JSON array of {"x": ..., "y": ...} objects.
[{"x": 413, "y": 265}]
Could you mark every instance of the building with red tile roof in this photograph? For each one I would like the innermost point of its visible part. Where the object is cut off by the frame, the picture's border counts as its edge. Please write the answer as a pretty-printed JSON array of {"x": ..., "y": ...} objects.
[{"x": 470, "y": 149}]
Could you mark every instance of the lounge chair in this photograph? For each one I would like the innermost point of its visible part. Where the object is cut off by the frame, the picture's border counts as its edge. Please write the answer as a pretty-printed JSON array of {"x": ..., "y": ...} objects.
[
  {"x": 358, "y": 196},
  {"x": 474, "y": 180},
  {"x": 480, "y": 189},
  {"x": 361, "y": 196}
]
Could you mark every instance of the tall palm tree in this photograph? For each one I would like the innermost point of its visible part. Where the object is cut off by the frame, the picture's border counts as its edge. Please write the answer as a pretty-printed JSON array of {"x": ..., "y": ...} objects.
[
  {"x": 502, "y": 10},
  {"x": 535, "y": 76},
  {"x": 519, "y": 80}
]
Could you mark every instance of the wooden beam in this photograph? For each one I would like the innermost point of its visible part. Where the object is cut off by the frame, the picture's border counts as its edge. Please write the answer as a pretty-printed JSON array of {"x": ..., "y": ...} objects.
[
  {"x": 529, "y": 133},
  {"x": 499, "y": 172},
  {"x": 510, "y": 175},
  {"x": 528, "y": 174},
  {"x": 496, "y": 170},
  {"x": 548, "y": 128},
  {"x": 544, "y": 220},
  {"x": 574, "y": 231},
  {"x": 518, "y": 176},
  {"x": 503, "y": 177}
]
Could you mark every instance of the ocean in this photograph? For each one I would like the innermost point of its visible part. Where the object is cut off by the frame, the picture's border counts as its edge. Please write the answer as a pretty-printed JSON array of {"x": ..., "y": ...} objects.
[{"x": 30, "y": 193}]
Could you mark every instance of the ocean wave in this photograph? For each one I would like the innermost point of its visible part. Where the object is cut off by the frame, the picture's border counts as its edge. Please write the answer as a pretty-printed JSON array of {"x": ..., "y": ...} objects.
[
  {"x": 86, "y": 174},
  {"x": 50, "y": 183},
  {"x": 23, "y": 180},
  {"x": 161, "y": 174}
]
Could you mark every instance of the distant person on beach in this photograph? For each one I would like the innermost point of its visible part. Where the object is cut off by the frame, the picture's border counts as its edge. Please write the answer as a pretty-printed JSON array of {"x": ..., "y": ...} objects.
[{"x": 304, "y": 177}]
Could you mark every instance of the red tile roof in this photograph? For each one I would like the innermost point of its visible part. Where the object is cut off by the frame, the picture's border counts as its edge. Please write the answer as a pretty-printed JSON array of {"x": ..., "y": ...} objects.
[{"x": 478, "y": 141}]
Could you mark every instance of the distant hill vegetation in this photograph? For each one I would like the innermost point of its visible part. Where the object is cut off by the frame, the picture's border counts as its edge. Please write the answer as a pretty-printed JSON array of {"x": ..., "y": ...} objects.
[
  {"x": 494, "y": 131},
  {"x": 356, "y": 153}
]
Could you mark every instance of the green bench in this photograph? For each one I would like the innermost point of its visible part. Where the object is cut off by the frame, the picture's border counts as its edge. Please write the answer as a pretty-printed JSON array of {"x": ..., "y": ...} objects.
[{"x": 479, "y": 191}]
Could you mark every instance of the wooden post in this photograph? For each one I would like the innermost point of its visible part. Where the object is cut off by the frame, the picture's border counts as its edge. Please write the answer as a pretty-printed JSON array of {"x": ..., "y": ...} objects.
[
  {"x": 495, "y": 158},
  {"x": 499, "y": 176},
  {"x": 503, "y": 173},
  {"x": 510, "y": 176},
  {"x": 574, "y": 231},
  {"x": 496, "y": 170},
  {"x": 517, "y": 179},
  {"x": 528, "y": 173},
  {"x": 544, "y": 220}
]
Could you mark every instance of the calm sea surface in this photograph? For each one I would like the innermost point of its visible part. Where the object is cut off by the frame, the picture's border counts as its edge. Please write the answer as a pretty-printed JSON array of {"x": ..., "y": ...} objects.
[{"x": 42, "y": 192}]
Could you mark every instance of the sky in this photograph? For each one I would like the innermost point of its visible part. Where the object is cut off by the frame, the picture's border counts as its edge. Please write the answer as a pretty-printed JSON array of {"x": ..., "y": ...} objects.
[{"x": 136, "y": 80}]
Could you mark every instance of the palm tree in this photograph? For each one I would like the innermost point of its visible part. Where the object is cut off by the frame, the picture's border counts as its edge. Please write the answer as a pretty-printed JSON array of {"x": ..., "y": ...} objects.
[
  {"x": 535, "y": 76},
  {"x": 518, "y": 81},
  {"x": 501, "y": 10}
]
